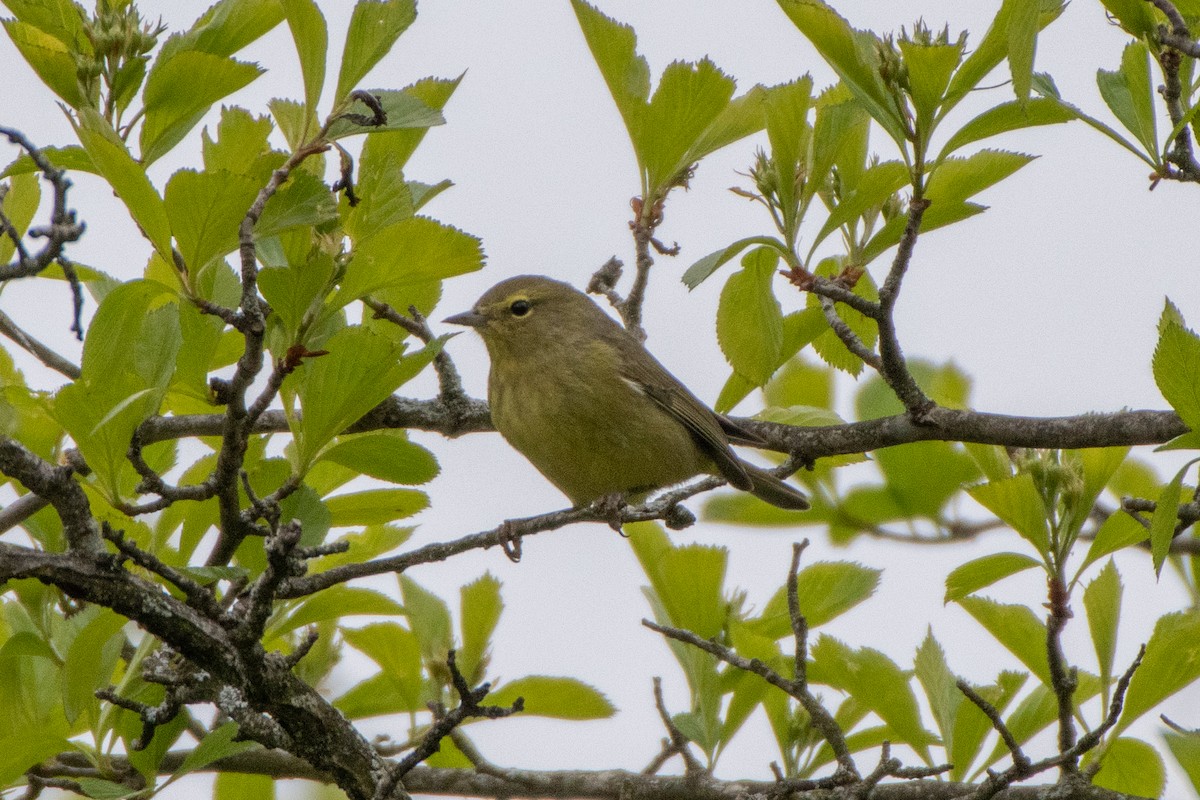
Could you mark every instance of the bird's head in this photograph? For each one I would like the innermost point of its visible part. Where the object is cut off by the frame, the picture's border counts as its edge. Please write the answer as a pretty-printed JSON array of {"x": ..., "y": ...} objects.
[{"x": 529, "y": 311}]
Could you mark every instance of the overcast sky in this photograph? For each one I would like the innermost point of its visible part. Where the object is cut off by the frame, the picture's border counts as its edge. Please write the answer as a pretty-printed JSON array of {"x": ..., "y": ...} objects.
[{"x": 1049, "y": 301}]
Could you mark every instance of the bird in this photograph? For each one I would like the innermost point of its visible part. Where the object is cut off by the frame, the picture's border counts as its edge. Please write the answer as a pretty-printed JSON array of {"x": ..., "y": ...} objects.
[{"x": 584, "y": 401}]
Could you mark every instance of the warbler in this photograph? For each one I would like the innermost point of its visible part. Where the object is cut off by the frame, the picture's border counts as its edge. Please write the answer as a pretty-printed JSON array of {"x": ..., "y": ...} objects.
[{"x": 586, "y": 403}]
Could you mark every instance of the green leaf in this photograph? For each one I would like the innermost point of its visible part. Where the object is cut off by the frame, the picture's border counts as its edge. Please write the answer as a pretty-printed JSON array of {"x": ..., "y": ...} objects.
[
  {"x": 1007, "y": 117},
  {"x": 71, "y": 157},
  {"x": 380, "y": 694},
  {"x": 559, "y": 698},
  {"x": 311, "y": 36},
  {"x": 180, "y": 91},
  {"x": 853, "y": 57},
  {"x": 373, "y": 541},
  {"x": 874, "y": 680},
  {"x": 1135, "y": 16},
  {"x": 938, "y": 216},
  {"x": 1176, "y": 366},
  {"x": 1116, "y": 533},
  {"x": 304, "y": 200},
  {"x": 240, "y": 786},
  {"x": 400, "y": 144},
  {"x": 429, "y": 618},
  {"x": 90, "y": 662},
  {"x": 688, "y": 100},
  {"x": 1022, "y": 29},
  {"x": 749, "y": 319},
  {"x": 294, "y": 119},
  {"x": 127, "y": 178},
  {"x": 206, "y": 210},
  {"x": 411, "y": 251},
  {"x": 1015, "y": 627},
  {"x": 396, "y": 651},
  {"x": 872, "y": 189},
  {"x": 687, "y": 580},
  {"x": 929, "y": 69},
  {"x": 1102, "y": 599},
  {"x": 297, "y": 290},
  {"x": 481, "y": 606},
  {"x": 386, "y": 455},
  {"x": 374, "y": 506},
  {"x": 1017, "y": 502},
  {"x": 28, "y": 748},
  {"x": 825, "y": 590},
  {"x": 1166, "y": 518},
  {"x": 627, "y": 74},
  {"x": 956, "y": 179},
  {"x": 1128, "y": 94},
  {"x": 403, "y": 110},
  {"x": 226, "y": 27},
  {"x": 700, "y": 271},
  {"x": 1171, "y": 663},
  {"x": 1132, "y": 767},
  {"x": 108, "y": 790},
  {"x": 374, "y": 28},
  {"x": 241, "y": 145},
  {"x": 332, "y": 604},
  {"x": 216, "y": 745},
  {"x": 362, "y": 369},
  {"x": 940, "y": 687},
  {"x": 971, "y": 727},
  {"x": 60, "y": 19},
  {"x": 983, "y": 572},
  {"x": 19, "y": 205},
  {"x": 51, "y": 59},
  {"x": 1186, "y": 749}
]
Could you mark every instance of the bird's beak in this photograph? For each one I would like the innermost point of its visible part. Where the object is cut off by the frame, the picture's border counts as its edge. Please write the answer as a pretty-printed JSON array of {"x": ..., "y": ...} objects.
[{"x": 472, "y": 319}]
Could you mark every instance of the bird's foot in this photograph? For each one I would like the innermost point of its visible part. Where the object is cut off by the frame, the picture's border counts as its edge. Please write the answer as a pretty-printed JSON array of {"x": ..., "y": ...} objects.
[
  {"x": 510, "y": 540},
  {"x": 610, "y": 508}
]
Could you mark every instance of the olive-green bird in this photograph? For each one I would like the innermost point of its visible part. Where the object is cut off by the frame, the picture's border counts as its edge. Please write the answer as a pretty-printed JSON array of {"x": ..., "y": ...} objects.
[{"x": 584, "y": 401}]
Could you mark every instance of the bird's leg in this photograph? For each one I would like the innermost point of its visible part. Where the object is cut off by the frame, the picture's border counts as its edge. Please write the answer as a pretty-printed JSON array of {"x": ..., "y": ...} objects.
[{"x": 610, "y": 507}]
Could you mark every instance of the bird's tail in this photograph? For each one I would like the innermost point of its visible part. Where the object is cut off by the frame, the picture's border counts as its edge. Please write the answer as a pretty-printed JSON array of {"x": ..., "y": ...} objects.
[{"x": 769, "y": 489}]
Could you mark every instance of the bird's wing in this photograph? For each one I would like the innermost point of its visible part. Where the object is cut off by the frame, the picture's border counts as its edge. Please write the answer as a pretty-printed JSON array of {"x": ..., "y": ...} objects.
[{"x": 647, "y": 375}]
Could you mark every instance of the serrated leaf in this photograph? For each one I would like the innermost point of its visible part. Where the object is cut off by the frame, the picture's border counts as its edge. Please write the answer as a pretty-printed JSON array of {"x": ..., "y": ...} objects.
[
  {"x": 700, "y": 271},
  {"x": 1102, "y": 599},
  {"x": 180, "y": 90},
  {"x": 374, "y": 27},
  {"x": 429, "y": 617},
  {"x": 362, "y": 369},
  {"x": 1166, "y": 518},
  {"x": 1185, "y": 747},
  {"x": 412, "y": 251},
  {"x": 374, "y": 506},
  {"x": 1017, "y": 502},
  {"x": 332, "y": 604},
  {"x": 852, "y": 55},
  {"x": 749, "y": 318},
  {"x": 1176, "y": 366},
  {"x": 386, "y": 455},
  {"x": 929, "y": 69},
  {"x": 1131, "y": 767},
  {"x": 956, "y": 179},
  {"x": 127, "y": 178},
  {"x": 871, "y": 190},
  {"x": 206, "y": 210},
  {"x": 940, "y": 687},
  {"x": 1007, "y": 117},
  {"x": 825, "y": 590},
  {"x": 983, "y": 572},
  {"x": 1171, "y": 663},
  {"x": 481, "y": 607},
  {"x": 402, "y": 109},
  {"x": 558, "y": 698},
  {"x": 216, "y": 745},
  {"x": 1022, "y": 30},
  {"x": 19, "y": 205},
  {"x": 311, "y": 36},
  {"x": 1016, "y": 627},
  {"x": 1128, "y": 95},
  {"x": 51, "y": 59}
]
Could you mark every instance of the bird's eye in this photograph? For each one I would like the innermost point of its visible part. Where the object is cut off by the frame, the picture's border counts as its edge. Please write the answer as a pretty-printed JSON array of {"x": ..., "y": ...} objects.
[{"x": 519, "y": 308}]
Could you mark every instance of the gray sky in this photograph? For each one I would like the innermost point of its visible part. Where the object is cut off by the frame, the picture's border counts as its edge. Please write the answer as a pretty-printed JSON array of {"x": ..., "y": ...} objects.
[{"x": 1049, "y": 301}]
